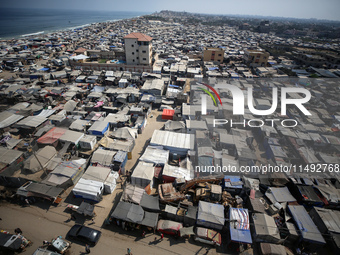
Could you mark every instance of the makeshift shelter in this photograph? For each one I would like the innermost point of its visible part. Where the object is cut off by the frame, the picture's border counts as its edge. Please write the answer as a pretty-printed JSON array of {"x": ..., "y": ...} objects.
[
  {"x": 31, "y": 122},
  {"x": 103, "y": 157},
  {"x": 210, "y": 215},
  {"x": 308, "y": 231},
  {"x": 8, "y": 118},
  {"x": 178, "y": 143},
  {"x": 88, "y": 142},
  {"x": 33, "y": 189},
  {"x": 71, "y": 136},
  {"x": 66, "y": 173},
  {"x": 89, "y": 189},
  {"x": 99, "y": 128},
  {"x": 70, "y": 106},
  {"x": 40, "y": 160},
  {"x": 265, "y": 229},
  {"x": 239, "y": 225},
  {"x": 170, "y": 173},
  {"x": 79, "y": 125},
  {"x": 124, "y": 133},
  {"x": 279, "y": 195},
  {"x": 155, "y": 155},
  {"x": 328, "y": 222},
  {"x": 119, "y": 162},
  {"x": 52, "y": 136},
  {"x": 272, "y": 249},
  {"x": 143, "y": 174},
  {"x": 135, "y": 214},
  {"x": 96, "y": 173}
]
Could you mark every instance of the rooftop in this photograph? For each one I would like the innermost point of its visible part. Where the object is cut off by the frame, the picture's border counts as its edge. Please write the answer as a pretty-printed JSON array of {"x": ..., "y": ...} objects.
[{"x": 141, "y": 37}]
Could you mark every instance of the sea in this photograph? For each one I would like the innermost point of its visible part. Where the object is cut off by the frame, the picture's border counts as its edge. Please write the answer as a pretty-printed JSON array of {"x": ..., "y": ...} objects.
[{"x": 20, "y": 23}]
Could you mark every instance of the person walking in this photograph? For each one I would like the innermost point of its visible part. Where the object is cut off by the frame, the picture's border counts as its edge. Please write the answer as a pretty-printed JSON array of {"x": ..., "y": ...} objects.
[
  {"x": 87, "y": 248},
  {"x": 162, "y": 236},
  {"x": 129, "y": 251}
]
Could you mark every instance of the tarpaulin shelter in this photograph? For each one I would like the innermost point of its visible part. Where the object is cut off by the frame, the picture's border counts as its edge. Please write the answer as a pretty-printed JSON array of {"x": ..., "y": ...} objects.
[
  {"x": 89, "y": 189},
  {"x": 210, "y": 215},
  {"x": 135, "y": 214},
  {"x": 99, "y": 128},
  {"x": 178, "y": 143},
  {"x": 52, "y": 136},
  {"x": 143, "y": 174},
  {"x": 155, "y": 155},
  {"x": 35, "y": 162},
  {"x": 308, "y": 230},
  {"x": 103, "y": 157},
  {"x": 239, "y": 225},
  {"x": 265, "y": 229}
]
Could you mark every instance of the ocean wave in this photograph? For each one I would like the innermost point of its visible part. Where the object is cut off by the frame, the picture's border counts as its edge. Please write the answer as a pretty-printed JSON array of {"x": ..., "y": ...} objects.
[
  {"x": 76, "y": 27},
  {"x": 37, "y": 33}
]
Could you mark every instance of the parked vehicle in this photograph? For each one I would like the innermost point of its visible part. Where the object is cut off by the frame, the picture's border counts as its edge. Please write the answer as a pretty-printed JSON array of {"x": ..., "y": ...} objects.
[
  {"x": 169, "y": 227},
  {"x": 60, "y": 245},
  {"x": 84, "y": 234}
]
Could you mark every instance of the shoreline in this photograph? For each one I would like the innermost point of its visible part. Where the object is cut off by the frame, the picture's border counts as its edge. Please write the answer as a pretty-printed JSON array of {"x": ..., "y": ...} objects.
[{"x": 76, "y": 26}]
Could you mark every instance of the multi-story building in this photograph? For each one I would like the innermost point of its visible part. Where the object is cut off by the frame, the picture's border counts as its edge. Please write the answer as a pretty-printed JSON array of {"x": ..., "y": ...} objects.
[
  {"x": 138, "y": 49},
  {"x": 213, "y": 54},
  {"x": 255, "y": 58}
]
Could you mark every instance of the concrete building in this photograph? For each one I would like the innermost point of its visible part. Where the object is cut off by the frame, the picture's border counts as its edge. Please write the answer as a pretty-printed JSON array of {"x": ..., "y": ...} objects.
[
  {"x": 258, "y": 57},
  {"x": 138, "y": 49},
  {"x": 213, "y": 54}
]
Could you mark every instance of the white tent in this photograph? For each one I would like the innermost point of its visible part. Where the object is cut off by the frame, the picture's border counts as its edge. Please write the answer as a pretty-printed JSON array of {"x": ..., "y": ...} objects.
[
  {"x": 89, "y": 189},
  {"x": 143, "y": 174}
]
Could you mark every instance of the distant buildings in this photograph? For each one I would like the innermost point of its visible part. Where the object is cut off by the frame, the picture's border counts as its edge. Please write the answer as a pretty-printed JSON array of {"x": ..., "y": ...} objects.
[
  {"x": 213, "y": 54},
  {"x": 138, "y": 49},
  {"x": 256, "y": 58}
]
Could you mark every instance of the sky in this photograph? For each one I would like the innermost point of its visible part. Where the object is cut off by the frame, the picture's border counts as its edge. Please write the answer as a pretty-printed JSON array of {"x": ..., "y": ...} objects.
[{"x": 319, "y": 9}]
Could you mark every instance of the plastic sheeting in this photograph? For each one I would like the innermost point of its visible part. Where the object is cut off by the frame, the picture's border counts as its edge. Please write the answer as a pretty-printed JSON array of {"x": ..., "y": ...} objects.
[
  {"x": 155, "y": 155},
  {"x": 143, "y": 174}
]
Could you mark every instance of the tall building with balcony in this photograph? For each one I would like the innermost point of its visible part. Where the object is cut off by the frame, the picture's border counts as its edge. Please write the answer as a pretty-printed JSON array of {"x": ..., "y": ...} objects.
[
  {"x": 138, "y": 49},
  {"x": 213, "y": 54}
]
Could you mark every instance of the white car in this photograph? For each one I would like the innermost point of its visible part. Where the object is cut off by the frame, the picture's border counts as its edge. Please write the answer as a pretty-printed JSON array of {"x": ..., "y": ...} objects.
[{"x": 45, "y": 57}]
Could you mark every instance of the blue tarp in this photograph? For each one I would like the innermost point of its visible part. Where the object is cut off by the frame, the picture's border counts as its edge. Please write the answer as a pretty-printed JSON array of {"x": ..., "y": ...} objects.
[
  {"x": 229, "y": 180},
  {"x": 213, "y": 68},
  {"x": 239, "y": 225},
  {"x": 98, "y": 89},
  {"x": 44, "y": 69}
]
